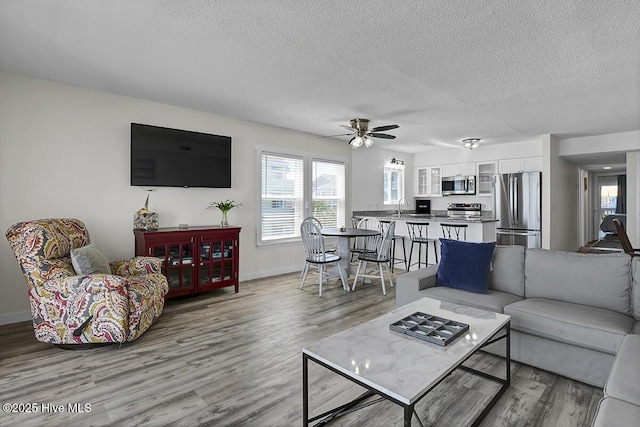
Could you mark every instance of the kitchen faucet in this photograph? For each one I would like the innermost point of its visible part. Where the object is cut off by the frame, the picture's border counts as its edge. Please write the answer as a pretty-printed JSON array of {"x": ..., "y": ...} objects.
[{"x": 399, "y": 208}]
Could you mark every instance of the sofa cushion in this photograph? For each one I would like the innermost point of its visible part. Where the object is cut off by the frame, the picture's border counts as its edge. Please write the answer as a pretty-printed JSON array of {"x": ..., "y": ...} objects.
[
  {"x": 624, "y": 380},
  {"x": 614, "y": 412},
  {"x": 465, "y": 265},
  {"x": 89, "y": 260},
  {"x": 507, "y": 272},
  {"x": 598, "y": 280},
  {"x": 581, "y": 325},
  {"x": 492, "y": 301}
]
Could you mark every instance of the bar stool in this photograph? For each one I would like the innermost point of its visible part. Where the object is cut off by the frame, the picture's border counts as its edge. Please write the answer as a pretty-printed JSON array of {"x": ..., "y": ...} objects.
[
  {"x": 418, "y": 233},
  {"x": 385, "y": 225},
  {"x": 449, "y": 230}
]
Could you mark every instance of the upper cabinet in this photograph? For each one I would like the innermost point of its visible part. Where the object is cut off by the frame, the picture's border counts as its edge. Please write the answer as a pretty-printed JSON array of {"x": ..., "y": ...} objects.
[
  {"x": 421, "y": 183},
  {"x": 435, "y": 181},
  {"x": 485, "y": 172},
  {"x": 455, "y": 169},
  {"x": 428, "y": 181},
  {"x": 525, "y": 164}
]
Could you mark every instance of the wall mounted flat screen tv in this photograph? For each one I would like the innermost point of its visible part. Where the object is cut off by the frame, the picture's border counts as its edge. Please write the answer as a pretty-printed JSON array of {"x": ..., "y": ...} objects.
[{"x": 163, "y": 157}]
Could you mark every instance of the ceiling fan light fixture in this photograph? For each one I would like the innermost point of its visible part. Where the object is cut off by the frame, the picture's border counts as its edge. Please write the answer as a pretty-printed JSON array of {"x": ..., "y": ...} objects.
[
  {"x": 363, "y": 135},
  {"x": 356, "y": 141},
  {"x": 471, "y": 143}
]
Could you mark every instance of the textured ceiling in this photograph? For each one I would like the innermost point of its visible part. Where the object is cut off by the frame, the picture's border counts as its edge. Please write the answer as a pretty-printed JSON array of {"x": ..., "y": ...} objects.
[{"x": 503, "y": 71}]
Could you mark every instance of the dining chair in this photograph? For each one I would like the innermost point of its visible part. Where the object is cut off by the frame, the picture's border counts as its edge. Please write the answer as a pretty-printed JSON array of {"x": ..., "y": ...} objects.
[
  {"x": 624, "y": 239},
  {"x": 366, "y": 244},
  {"x": 316, "y": 255},
  {"x": 385, "y": 224},
  {"x": 381, "y": 257},
  {"x": 419, "y": 234},
  {"x": 316, "y": 221}
]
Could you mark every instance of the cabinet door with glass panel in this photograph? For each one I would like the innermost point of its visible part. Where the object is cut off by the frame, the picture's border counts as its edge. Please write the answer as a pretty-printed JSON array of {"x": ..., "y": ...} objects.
[
  {"x": 435, "y": 181},
  {"x": 178, "y": 263},
  {"x": 421, "y": 181},
  {"x": 428, "y": 181},
  {"x": 486, "y": 171},
  {"x": 217, "y": 261}
]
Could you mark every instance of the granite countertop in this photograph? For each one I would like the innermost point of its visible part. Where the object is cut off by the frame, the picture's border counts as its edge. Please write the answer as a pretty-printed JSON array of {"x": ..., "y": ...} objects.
[
  {"x": 438, "y": 218},
  {"x": 430, "y": 218}
]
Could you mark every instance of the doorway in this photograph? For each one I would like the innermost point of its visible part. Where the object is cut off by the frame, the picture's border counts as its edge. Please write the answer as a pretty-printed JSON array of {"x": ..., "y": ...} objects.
[{"x": 607, "y": 200}]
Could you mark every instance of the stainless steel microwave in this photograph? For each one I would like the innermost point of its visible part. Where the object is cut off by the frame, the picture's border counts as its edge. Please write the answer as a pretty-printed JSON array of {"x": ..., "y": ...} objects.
[{"x": 461, "y": 184}]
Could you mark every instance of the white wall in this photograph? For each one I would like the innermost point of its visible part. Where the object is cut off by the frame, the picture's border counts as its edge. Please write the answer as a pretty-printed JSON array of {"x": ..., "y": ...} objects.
[
  {"x": 367, "y": 178},
  {"x": 613, "y": 142},
  {"x": 64, "y": 152},
  {"x": 560, "y": 197}
]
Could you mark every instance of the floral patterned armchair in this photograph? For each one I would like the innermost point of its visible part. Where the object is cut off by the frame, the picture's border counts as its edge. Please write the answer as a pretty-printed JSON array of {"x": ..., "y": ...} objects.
[{"x": 84, "y": 309}]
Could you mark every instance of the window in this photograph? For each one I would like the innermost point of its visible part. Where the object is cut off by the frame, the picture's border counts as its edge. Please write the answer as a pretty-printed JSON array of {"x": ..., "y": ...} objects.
[
  {"x": 282, "y": 197},
  {"x": 393, "y": 185},
  {"x": 328, "y": 193},
  {"x": 294, "y": 187}
]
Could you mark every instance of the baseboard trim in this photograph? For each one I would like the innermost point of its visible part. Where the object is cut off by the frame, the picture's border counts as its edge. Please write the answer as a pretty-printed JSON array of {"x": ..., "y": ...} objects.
[
  {"x": 268, "y": 273},
  {"x": 9, "y": 318}
]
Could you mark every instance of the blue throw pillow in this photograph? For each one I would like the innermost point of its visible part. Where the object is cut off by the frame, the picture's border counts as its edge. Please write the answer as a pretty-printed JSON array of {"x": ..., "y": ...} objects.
[{"x": 465, "y": 265}]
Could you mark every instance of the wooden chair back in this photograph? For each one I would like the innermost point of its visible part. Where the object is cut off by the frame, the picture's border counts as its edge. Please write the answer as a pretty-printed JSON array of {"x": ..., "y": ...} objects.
[{"x": 624, "y": 238}]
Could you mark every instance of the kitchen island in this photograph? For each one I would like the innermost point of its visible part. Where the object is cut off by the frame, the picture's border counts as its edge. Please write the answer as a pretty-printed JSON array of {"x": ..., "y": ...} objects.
[{"x": 479, "y": 229}]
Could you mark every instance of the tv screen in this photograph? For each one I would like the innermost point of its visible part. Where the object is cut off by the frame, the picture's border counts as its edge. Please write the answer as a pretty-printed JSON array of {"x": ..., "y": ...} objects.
[{"x": 163, "y": 157}]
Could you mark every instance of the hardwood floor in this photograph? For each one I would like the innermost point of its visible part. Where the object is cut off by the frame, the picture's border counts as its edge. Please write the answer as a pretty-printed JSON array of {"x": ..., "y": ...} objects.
[{"x": 226, "y": 359}]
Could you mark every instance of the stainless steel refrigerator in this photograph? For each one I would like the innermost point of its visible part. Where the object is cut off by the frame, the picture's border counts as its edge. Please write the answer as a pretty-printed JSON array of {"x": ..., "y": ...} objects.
[{"x": 517, "y": 198}]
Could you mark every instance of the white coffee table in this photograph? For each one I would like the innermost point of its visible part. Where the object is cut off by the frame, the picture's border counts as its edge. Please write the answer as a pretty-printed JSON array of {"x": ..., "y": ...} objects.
[{"x": 401, "y": 368}]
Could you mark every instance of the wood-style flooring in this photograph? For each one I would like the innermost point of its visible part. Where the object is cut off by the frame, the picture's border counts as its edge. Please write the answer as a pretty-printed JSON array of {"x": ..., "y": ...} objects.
[{"x": 226, "y": 359}]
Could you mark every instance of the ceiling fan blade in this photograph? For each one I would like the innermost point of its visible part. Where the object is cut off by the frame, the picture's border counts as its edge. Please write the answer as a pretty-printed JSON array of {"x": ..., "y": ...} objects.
[
  {"x": 348, "y": 127},
  {"x": 382, "y": 128},
  {"x": 382, "y": 135},
  {"x": 334, "y": 136}
]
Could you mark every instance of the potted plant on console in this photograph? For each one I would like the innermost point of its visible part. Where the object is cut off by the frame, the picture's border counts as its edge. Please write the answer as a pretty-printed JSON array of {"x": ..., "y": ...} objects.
[{"x": 224, "y": 207}]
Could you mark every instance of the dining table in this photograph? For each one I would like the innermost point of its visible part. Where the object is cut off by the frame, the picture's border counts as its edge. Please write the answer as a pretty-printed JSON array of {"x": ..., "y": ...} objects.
[{"x": 344, "y": 234}]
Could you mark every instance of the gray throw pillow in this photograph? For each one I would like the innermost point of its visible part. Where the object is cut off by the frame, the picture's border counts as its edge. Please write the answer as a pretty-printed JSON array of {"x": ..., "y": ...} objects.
[{"x": 89, "y": 260}]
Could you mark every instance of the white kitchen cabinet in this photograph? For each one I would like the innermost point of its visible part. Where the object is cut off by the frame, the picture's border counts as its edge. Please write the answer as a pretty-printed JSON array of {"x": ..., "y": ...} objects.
[
  {"x": 485, "y": 172},
  {"x": 525, "y": 164},
  {"x": 428, "y": 181},
  {"x": 435, "y": 181},
  {"x": 421, "y": 182},
  {"x": 451, "y": 170},
  {"x": 455, "y": 169},
  {"x": 532, "y": 164}
]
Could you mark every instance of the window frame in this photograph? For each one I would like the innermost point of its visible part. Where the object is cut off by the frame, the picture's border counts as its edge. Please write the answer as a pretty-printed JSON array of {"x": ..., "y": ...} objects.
[
  {"x": 389, "y": 169},
  {"x": 308, "y": 159}
]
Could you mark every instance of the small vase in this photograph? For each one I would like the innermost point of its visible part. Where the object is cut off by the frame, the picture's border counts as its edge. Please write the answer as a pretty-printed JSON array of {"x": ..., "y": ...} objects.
[{"x": 225, "y": 220}]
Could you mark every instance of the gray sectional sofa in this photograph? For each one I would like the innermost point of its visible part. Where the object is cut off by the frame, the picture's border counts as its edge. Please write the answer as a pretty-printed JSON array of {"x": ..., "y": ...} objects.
[
  {"x": 570, "y": 312},
  {"x": 621, "y": 403}
]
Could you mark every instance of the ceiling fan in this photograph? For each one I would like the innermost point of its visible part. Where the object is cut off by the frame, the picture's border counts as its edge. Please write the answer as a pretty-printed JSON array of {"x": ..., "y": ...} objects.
[{"x": 362, "y": 134}]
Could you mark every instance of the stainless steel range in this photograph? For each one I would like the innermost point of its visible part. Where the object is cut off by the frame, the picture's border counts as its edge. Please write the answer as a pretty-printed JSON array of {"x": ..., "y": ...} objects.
[{"x": 464, "y": 210}]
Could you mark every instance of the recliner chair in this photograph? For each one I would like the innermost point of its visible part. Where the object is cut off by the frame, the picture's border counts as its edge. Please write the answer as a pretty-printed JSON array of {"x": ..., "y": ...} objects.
[{"x": 74, "y": 309}]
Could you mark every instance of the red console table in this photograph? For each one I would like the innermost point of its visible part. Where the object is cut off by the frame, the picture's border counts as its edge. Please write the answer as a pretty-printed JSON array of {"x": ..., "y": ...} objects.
[{"x": 196, "y": 259}]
